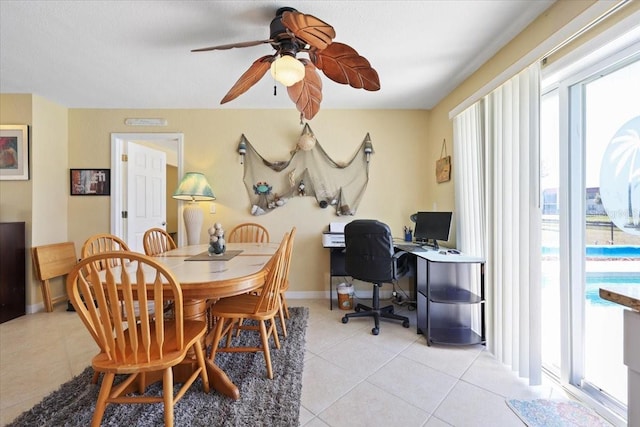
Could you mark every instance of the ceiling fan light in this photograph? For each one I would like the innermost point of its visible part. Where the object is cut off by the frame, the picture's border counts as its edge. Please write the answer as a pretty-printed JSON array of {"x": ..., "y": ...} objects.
[{"x": 287, "y": 70}]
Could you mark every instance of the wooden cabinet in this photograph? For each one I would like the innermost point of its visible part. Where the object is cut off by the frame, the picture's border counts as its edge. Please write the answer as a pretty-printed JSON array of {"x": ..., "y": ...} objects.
[
  {"x": 12, "y": 270},
  {"x": 450, "y": 299}
]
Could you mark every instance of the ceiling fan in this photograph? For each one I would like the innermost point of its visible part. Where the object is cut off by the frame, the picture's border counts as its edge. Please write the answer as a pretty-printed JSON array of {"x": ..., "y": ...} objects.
[{"x": 293, "y": 32}]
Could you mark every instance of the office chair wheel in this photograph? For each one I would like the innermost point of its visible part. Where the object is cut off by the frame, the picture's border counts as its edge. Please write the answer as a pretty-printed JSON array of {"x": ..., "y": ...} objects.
[
  {"x": 357, "y": 309},
  {"x": 405, "y": 324},
  {"x": 375, "y": 331},
  {"x": 345, "y": 319}
]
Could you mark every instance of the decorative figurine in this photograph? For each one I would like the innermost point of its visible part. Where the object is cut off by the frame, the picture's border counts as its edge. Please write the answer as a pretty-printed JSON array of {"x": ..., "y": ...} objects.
[
  {"x": 217, "y": 244},
  {"x": 257, "y": 210},
  {"x": 262, "y": 188}
]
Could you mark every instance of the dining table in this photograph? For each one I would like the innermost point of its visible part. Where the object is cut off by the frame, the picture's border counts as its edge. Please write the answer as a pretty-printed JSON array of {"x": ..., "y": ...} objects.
[{"x": 205, "y": 278}]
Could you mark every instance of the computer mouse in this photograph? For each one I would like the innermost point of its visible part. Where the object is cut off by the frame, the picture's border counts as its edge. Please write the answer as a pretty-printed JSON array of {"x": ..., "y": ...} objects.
[{"x": 442, "y": 252}]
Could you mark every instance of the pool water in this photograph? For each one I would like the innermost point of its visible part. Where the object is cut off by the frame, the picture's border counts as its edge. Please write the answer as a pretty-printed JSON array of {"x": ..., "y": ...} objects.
[
  {"x": 613, "y": 281},
  {"x": 596, "y": 280},
  {"x": 602, "y": 251}
]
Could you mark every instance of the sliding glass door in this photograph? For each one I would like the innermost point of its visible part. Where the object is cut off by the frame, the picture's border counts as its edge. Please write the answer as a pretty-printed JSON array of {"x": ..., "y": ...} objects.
[
  {"x": 550, "y": 228},
  {"x": 610, "y": 104},
  {"x": 590, "y": 201}
]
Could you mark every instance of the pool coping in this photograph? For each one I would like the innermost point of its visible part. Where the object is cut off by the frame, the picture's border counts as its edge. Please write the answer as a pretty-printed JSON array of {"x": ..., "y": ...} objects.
[{"x": 612, "y": 267}]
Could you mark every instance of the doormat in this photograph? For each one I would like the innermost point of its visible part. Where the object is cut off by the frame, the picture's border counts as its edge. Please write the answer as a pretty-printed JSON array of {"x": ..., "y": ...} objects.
[
  {"x": 556, "y": 413},
  {"x": 204, "y": 256}
]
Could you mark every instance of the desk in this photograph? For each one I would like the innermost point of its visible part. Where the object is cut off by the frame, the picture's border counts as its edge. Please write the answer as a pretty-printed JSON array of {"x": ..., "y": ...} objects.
[
  {"x": 203, "y": 280},
  {"x": 448, "y": 287}
]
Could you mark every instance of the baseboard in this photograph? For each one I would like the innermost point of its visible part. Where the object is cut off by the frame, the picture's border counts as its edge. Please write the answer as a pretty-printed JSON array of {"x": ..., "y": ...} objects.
[
  {"x": 34, "y": 308},
  {"x": 361, "y": 293},
  {"x": 37, "y": 308}
]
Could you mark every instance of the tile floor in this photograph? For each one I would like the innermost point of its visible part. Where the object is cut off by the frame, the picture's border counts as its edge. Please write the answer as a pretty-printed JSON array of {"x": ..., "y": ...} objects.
[{"x": 351, "y": 378}]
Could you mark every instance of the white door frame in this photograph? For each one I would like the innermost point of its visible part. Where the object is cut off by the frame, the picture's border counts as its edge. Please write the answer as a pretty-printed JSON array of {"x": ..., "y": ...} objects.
[{"x": 118, "y": 174}]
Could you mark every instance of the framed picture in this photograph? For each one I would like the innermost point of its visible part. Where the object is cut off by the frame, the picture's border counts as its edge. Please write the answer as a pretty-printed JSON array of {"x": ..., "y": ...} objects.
[
  {"x": 14, "y": 152},
  {"x": 90, "y": 182}
]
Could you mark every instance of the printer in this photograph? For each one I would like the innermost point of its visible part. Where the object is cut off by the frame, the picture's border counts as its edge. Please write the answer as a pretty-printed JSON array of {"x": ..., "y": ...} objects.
[{"x": 334, "y": 237}]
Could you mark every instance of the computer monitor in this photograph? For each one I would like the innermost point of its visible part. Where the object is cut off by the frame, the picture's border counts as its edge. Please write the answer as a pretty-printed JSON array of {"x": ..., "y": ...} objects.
[{"x": 431, "y": 227}]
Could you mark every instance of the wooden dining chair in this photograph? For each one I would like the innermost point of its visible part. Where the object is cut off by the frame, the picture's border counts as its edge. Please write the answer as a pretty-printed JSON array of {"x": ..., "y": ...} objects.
[
  {"x": 260, "y": 307},
  {"x": 102, "y": 242},
  {"x": 52, "y": 261},
  {"x": 105, "y": 302},
  {"x": 283, "y": 310},
  {"x": 248, "y": 232},
  {"x": 157, "y": 241},
  {"x": 105, "y": 242}
]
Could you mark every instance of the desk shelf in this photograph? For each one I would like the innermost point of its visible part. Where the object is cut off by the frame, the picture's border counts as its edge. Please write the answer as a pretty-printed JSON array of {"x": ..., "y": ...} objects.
[
  {"x": 453, "y": 295},
  {"x": 455, "y": 336},
  {"x": 451, "y": 300}
]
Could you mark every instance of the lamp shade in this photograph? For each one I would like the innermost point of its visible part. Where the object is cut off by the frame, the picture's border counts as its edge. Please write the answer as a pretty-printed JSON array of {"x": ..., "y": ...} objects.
[
  {"x": 194, "y": 187},
  {"x": 287, "y": 70}
]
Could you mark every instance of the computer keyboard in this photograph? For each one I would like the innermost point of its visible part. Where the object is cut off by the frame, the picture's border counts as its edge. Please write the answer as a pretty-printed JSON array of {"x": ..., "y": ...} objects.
[{"x": 411, "y": 248}]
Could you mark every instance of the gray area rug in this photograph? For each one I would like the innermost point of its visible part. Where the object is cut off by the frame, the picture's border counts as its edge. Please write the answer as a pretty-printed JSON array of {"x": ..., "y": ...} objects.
[{"x": 262, "y": 402}]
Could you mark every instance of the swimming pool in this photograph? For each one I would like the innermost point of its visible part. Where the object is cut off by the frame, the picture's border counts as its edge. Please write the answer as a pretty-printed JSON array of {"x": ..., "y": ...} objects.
[
  {"x": 602, "y": 251},
  {"x": 609, "y": 280},
  {"x": 612, "y": 281},
  {"x": 603, "y": 279}
]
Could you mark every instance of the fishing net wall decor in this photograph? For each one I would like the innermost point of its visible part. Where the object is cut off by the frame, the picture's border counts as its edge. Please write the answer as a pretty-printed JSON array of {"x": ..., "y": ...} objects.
[{"x": 309, "y": 172}]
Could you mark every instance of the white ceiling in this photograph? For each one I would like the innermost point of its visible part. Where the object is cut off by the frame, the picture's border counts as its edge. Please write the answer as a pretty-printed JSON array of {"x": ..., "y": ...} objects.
[{"x": 136, "y": 54}]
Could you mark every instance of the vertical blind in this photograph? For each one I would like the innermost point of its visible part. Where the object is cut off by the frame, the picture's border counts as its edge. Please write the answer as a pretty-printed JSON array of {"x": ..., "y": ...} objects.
[{"x": 496, "y": 145}]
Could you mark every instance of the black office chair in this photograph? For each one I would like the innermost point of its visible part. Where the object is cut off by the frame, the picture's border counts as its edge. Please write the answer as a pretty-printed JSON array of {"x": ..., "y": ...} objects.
[{"x": 371, "y": 257}]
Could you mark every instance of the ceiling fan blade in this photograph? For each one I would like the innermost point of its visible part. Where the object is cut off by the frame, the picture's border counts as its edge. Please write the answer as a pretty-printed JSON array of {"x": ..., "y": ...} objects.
[
  {"x": 313, "y": 31},
  {"x": 232, "y": 45},
  {"x": 307, "y": 93},
  {"x": 342, "y": 64},
  {"x": 250, "y": 77}
]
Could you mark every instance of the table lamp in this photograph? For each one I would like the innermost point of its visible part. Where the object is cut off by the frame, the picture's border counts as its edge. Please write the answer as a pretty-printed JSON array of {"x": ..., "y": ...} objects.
[{"x": 194, "y": 188}]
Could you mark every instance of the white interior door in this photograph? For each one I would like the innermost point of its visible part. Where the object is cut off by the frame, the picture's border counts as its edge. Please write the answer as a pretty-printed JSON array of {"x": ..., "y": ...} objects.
[
  {"x": 146, "y": 203},
  {"x": 170, "y": 143}
]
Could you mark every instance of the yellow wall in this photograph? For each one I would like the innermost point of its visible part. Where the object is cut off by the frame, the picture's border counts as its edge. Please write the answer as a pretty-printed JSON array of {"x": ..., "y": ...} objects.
[
  {"x": 42, "y": 200},
  {"x": 402, "y": 174},
  {"x": 15, "y": 196},
  {"x": 624, "y": 13},
  {"x": 172, "y": 204},
  {"x": 400, "y": 169},
  {"x": 50, "y": 177},
  {"x": 549, "y": 22}
]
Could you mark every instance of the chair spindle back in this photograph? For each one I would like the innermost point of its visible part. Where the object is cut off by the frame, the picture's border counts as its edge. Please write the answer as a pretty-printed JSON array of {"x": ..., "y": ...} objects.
[{"x": 109, "y": 300}]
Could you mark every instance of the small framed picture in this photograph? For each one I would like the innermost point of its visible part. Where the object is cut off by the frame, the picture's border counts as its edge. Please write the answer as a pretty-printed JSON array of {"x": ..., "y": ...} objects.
[
  {"x": 90, "y": 182},
  {"x": 14, "y": 152}
]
